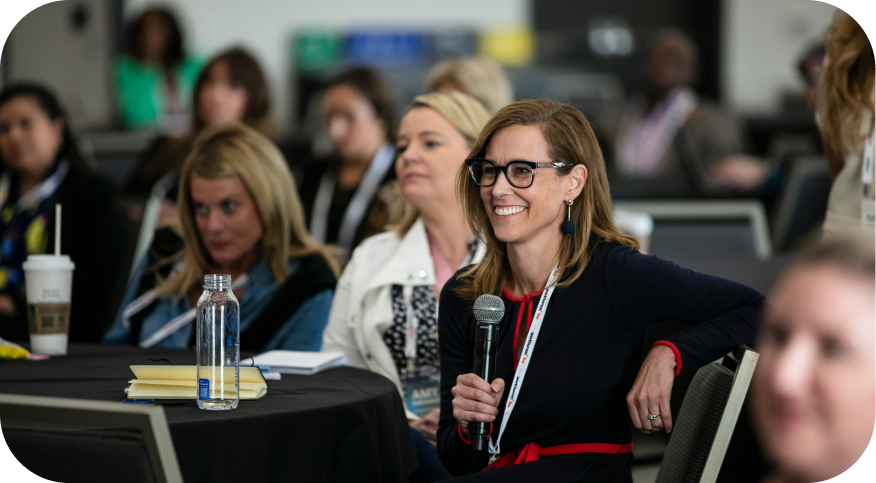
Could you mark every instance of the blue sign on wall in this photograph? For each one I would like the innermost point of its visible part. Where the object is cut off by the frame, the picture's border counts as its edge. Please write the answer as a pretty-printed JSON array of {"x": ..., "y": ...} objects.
[{"x": 385, "y": 48}]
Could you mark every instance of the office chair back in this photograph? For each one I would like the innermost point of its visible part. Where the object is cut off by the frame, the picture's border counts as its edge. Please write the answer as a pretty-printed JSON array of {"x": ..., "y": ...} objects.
[
  {"x": 68, "y": 416},
  {"x": 803, "y": 202},
  {"x": 702, "y": 228},
  {"x": 707, "y": 418}
]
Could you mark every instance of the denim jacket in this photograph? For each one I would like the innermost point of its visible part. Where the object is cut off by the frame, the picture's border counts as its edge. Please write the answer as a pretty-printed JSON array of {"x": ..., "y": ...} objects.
[{"x": 303, "y": 331}]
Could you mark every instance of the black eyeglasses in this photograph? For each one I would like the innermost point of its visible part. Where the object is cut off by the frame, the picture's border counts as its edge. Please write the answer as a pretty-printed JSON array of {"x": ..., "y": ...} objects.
[{"x": 520, "y": 174}]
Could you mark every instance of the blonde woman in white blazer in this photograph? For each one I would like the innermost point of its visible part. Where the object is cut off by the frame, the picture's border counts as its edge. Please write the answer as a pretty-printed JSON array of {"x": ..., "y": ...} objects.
[{"x": 384, "y": 314}]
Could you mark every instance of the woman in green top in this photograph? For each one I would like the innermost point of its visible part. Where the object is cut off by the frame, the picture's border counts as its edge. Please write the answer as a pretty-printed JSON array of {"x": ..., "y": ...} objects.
[{"x": 154, "y": 80}]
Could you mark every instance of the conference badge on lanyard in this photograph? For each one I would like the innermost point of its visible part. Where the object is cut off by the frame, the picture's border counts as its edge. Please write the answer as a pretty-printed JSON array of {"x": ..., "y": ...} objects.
[{"x": 525, "y": 359}]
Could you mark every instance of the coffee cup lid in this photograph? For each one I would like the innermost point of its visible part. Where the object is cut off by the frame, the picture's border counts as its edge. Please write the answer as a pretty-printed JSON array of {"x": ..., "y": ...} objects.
[{"x": 48, "y": 262}]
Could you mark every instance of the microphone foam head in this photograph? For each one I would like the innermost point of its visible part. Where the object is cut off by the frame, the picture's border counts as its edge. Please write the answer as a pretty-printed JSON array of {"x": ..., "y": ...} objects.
[{"x": 489, "y": 308}]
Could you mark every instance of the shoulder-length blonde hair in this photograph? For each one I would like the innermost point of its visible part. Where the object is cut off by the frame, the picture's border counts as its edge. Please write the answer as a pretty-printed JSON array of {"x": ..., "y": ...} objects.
[
  {"x": 846, "y": 84},
  {"x": 479, "y": 77},
  {"x": 570, "y": 140},
  {"x": 465, "y": 113},
  {"x": 236, "y": 150}
]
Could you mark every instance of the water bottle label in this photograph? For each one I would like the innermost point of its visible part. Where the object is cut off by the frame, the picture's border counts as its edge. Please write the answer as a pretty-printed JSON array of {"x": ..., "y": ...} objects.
[
  {"x": 203, "y": 389},
  {"x": 230, "y": 339}
]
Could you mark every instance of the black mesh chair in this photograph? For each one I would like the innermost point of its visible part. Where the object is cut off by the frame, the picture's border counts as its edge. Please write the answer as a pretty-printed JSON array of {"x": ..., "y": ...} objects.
[
  {"x": 707, "y": 418},
  {"x": 69, "y": 440},
  {"x": 800, "y": 208}
]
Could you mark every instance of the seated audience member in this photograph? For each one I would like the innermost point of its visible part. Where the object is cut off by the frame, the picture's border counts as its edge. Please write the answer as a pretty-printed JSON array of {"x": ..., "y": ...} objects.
[
  {"x": 535, "y": 168},
  {"x": 42, "y": 166},
  {"x": 478, "y": 77},
  {"x": 813, "y": 391},
  {"x": 810, "y": 67},
  {"x": 845, "y": 117},
  {"x": 393, "y": 279},
  {"x": 240, "y": 215},
  {"x": 231, "y": 88},
  {"x": 340, "y": 194},
  {"x": 154, "y": 79},
  {"x": 667, "y": 131}
]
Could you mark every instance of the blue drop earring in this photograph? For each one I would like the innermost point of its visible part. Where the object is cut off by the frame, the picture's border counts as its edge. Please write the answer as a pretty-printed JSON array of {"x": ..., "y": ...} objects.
[{"x": 568, "y": 227}]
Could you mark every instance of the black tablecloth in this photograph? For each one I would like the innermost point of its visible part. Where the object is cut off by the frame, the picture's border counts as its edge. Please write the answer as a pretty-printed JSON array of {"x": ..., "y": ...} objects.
[{"x": 343, "y": 424}]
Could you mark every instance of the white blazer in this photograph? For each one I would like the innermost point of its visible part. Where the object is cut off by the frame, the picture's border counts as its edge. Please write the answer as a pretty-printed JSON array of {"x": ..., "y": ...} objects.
[{"x": 362, "y": 307}]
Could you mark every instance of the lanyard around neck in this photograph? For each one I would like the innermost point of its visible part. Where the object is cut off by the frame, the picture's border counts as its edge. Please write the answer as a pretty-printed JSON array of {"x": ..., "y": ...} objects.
[
  {"x": 355, "y": 211},
  {"x": 526, "y": 356},
  {"x": 38, "y": 193},
  {"x": 173, "y": 324}
]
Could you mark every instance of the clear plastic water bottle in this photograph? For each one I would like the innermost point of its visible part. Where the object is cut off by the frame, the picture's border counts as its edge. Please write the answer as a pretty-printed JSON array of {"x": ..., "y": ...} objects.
[{"x": 218, "y": 336}]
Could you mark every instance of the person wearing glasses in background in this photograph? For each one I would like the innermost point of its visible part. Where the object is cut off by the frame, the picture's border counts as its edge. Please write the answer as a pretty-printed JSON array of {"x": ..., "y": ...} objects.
[
  {"x": 579, "y": 299},
  {"x": 385, "y": 313}
]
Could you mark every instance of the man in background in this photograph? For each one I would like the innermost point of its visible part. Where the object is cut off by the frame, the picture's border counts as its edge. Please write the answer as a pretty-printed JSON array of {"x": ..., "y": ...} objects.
[{"x": 668, "y": 131}]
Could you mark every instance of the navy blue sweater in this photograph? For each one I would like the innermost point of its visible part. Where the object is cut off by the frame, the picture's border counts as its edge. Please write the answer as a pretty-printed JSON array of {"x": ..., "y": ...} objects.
[{"x": 587, "y": 357}]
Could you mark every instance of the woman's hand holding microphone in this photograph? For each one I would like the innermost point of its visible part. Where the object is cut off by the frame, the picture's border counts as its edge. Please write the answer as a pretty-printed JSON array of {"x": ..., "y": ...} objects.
[{"x": 476, "y": 400}]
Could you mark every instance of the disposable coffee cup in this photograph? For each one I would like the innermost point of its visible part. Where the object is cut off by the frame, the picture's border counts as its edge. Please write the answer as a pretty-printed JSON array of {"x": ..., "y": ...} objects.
[{"x": 48, "y": 280}]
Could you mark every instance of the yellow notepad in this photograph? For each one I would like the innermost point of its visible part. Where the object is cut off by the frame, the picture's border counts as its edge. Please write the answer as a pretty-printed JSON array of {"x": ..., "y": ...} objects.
[{"x": 181, "y": 382}]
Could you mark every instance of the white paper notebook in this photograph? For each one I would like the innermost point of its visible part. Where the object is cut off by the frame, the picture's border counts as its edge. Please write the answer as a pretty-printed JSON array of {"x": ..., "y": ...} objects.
[{"x": 299, "y": 362}]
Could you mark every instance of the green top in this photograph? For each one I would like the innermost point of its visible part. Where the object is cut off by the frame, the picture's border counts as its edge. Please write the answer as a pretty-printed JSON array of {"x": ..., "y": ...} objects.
[{"x": 140, "y": 89}]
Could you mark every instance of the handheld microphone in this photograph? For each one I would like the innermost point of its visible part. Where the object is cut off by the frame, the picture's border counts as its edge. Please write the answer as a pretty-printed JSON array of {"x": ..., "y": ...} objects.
[{"x": 488, "y": 312}]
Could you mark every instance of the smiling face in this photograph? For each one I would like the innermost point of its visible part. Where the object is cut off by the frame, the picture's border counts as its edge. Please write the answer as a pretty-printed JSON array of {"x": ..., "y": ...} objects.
[
  {"x": 814, "y": 390},
  {"x": 220, "y": 100},
  {"x": 227, "y": 219},
  {"x": 29, "y": 138},
  {"x": 534, "y": 214},
  {"x": 430, "y": 152}
]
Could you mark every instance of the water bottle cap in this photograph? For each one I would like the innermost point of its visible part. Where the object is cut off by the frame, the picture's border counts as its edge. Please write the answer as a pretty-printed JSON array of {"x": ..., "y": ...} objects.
[{"x": 217, "y": 282}]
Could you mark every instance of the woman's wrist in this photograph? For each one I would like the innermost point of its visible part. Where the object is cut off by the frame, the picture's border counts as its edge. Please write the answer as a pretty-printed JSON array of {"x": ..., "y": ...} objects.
[{"x": 665, "y": 354}]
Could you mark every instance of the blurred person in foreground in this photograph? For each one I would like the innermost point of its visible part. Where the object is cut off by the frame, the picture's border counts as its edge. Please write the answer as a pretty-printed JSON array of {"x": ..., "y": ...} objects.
[
  {"x": 668, "y": 131},
  {"x": 231, "y": 88},
  {"x": 845, "y": 117},
  {"x": 478, "y": 77},
  {"x": 40, "y": 165},
  {"x": 814, "y": 389},
  {"x": 154, "y": 80},
  {"x": 580, "y": 293},
  {"x": 239, "y": 214},
  {"x": 393, "y": 280}
]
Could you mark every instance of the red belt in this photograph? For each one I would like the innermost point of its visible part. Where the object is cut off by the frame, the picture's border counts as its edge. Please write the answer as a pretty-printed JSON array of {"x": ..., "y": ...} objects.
[{"x": 532, "y": 451}]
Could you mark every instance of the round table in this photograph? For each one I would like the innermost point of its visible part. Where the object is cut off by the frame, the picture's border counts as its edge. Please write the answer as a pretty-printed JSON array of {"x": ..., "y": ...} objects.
[{"x": 343, "y": 424}]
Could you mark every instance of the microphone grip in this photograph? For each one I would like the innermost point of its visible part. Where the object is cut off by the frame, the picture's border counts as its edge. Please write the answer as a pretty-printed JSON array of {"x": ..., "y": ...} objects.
[{"x": 486, "y": 342}]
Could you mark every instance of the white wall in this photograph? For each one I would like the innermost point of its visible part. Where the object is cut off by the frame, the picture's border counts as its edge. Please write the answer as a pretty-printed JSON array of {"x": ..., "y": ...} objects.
[
  {"x": 762, "y": 40},
  {"x": 266, "y": 27},
  {"x": 74, "y": 64}
]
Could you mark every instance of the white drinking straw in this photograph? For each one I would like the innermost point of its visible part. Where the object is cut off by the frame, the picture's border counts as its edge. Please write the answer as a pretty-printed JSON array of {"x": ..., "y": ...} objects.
[{"x": 58, "y": 229}]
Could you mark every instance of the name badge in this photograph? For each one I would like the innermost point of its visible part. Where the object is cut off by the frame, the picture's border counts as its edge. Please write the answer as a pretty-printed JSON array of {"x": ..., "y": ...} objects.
[
  {"x": 868, "y": 213},
  {"x": 422, "y": 393}
]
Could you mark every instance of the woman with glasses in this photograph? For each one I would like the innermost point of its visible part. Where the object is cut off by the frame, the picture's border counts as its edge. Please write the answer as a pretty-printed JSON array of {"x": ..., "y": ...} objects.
[
  {"x": 579, "y": 299},
  {"x": 385, "y": 313}
]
